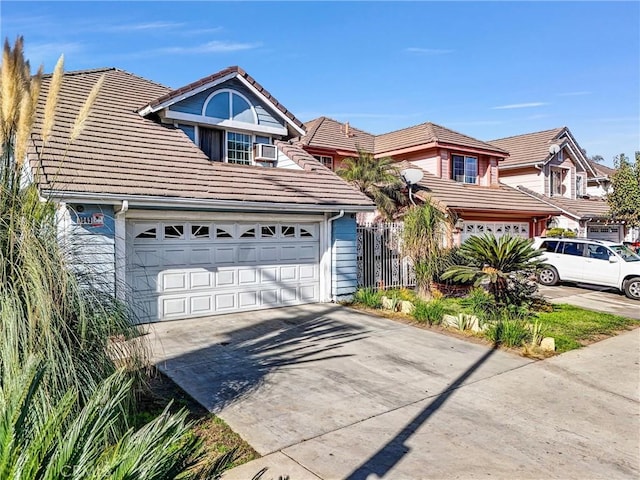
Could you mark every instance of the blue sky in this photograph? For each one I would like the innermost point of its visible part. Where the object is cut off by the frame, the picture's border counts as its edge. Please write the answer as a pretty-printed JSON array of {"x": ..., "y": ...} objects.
[{"x": 488, "y": 70}]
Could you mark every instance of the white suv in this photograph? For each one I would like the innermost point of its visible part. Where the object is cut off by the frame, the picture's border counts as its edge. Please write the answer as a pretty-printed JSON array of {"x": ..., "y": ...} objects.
[{"x": 583, "y": 260}]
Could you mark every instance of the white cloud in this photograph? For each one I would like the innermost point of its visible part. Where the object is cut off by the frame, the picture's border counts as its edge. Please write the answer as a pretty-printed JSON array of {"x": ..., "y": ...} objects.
[
  {"x": 145, "y": 26},
  {"x": 216, "y": 46},
  {"x": 574, "y": 94},
  {"x": 520, "y": 105},
  {"x": 428, "y": 51}
]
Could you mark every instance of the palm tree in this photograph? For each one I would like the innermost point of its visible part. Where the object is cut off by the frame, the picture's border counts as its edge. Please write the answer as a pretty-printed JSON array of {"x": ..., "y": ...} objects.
[
  {"x": 377, "y": 178},
  {"x": 423, "y": 239},
  {"x": 493, "y": 260}
]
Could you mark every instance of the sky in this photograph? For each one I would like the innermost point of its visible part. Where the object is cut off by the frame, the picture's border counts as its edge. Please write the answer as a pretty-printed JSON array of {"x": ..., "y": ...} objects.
[{"x": 485, "y": 69}]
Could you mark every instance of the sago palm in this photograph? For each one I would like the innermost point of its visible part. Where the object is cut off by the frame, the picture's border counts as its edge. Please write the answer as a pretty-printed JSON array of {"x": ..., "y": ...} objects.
[
  {"x": 377, "y": 178},
  {"x": 493, "y": 260}
]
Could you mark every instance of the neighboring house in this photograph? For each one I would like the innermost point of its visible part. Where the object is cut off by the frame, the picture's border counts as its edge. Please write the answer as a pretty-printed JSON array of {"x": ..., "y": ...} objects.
[
  {"x": 461, "y": 173},
  {"x": 551, "y": 166},
  {"x": 191, "y": 202},
  {"x": 600, "y": 184}
]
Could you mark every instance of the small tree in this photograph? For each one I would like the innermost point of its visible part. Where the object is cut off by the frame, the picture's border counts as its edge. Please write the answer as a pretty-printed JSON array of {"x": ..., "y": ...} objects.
[
  {"x": 424, "y": 236},
  {"x": 624, "y": 199},
  {"x": 494, "y": 261},
  {"x": 377, "y": 178}
]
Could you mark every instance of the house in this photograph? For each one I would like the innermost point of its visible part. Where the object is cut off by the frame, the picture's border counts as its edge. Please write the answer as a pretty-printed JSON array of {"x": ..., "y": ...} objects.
[
  {"x": 550, "y": 166},
  {"x": 600, "y": 184},
  {"x": 192, "y": 202},
  {"x": 461, "y": 173}
]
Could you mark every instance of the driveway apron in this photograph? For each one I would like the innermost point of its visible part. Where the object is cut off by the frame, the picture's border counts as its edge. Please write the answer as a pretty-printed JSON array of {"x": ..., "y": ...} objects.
[{"x": 323, "y": 391}]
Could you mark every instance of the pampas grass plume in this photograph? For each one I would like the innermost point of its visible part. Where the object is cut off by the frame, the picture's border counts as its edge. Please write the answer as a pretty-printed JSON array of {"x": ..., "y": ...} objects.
[
  {"x": 52, "y": 100},
  {"x": 85, "y": 111}
]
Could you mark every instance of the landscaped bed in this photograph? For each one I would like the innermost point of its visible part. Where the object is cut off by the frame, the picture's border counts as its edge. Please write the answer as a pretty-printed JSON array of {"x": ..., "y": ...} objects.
[{"x": 477, "y": 318}]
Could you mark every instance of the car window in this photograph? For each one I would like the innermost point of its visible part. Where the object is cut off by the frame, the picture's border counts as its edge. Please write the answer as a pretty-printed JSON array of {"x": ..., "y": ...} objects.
[
  {"x": 572, "y": 248},
  {"x": 598, "y": 252},
  {"x": 549, "y": 245},
  {"x": 626, "y": 254}
]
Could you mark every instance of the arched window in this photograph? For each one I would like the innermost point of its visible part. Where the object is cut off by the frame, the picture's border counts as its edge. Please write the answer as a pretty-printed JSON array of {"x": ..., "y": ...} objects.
[{"x": 229, "y": 105}]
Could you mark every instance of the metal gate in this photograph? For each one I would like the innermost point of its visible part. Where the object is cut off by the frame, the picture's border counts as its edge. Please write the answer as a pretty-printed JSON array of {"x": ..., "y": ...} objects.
[{"x": 380, "y": 262}]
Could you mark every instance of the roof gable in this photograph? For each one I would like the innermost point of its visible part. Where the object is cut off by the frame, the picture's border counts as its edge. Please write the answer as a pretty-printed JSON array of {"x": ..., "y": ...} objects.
[
  {"x": 207, "y": 83},
  {"x": 534, "y": 148},
  {"x": 325, "y": 132},
  {"x": 121, "y": 154}
]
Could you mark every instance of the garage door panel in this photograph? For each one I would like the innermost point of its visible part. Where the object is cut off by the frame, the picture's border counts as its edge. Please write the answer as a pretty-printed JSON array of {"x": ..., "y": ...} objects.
[
  {"x": 268, "y": 254},
  {"x": 198, "y": 276},
  {"x": 200, "y": 256},
  {"x": 202, "y": 279},
  {"x": 308, "y": 293},
  {"x": 173, "y": 281},
  {"x": 269, "y": 297},
  {"x": 269, "y": 275},
  {"x": 248, "y": 254},
  {"x": 248, "y": 276},
  {"x": 289, "y": 273},
  {"x": 174, "y": 256},
  {"x": 308, "y": 273},
  {"x": 201, "y": 305},
  {"x": 224, "y": 255},
  {"x": 174, "y": 306},
  {"x": 225, "y": 301},
  {"x": 289, "y": 295}
]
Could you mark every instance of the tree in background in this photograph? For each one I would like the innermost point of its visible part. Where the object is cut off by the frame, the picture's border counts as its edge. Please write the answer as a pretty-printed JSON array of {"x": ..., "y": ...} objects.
[
  {"x": 377, "y": 178},
  {"x": 624, "y": 199}
]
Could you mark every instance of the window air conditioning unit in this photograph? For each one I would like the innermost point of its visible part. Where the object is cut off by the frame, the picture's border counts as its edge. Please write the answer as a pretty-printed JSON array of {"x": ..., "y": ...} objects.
[{"x": 266, "y": 153}]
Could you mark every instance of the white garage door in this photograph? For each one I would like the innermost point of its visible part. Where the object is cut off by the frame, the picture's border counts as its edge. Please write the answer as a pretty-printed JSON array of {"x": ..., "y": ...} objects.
[
  {"x": 613, "y": 233},
  {"x": 499, "y": 229},
  {"x": 191, "y": 269}
]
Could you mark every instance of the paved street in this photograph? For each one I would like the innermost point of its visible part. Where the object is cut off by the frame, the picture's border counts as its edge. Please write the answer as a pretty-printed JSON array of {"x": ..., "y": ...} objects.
[{"x": 325, "y": 392}]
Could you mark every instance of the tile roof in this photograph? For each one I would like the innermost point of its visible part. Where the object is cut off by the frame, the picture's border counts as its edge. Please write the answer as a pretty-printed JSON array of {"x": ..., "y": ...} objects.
[
  {"x": 168, "y": 96},
  {"x": 324, "y": 132},
  {"x": 428, "y": 133},
  {"x": 460, "y": 196},
  {"x": 122, "y": 153},
  {"x": 581, "y": 208},
  {"x": 601, "y": 170},
  {"x": 528, "y": 148}
]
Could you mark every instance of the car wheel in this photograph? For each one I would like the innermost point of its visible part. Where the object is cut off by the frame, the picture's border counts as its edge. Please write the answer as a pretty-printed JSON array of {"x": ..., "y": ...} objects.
[
  {"x": 632, "y": 288},
  {"x": 548, "y": 276}
]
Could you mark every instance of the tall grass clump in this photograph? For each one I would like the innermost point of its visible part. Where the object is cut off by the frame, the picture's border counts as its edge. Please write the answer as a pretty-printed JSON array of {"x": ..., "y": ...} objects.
[
  {"x": 69, "y": 355},
  {"x": 44, "y": 308},
  {"x": 368, "y": 297},
  {"x": 431, "y": 312}
]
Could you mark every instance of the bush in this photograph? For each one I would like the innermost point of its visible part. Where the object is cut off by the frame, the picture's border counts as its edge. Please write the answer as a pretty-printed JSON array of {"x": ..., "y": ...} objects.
[
  {"x": 560, "y": 232},
  {"x": 368, "y": 297},
  {"x": 510, "y": 332},
  {"x": 480, "y": 303},
  {"x": 430, "y": 312}
]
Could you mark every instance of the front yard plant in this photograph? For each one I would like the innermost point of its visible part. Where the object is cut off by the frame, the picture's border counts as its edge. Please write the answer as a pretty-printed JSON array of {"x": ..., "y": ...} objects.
[{"x": 66, "y": 387}]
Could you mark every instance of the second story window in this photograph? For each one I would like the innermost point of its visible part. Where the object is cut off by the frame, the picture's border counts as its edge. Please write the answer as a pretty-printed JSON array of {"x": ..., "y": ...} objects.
[
  {"x": 221, "y": 145},
  {"x": 556, "y": 179},
  {"x": 580, "y": 185},
  {"x": 239, "y": 147},
  {"x": 465, "y": 168},
  {"x": 326, "y": 160}
]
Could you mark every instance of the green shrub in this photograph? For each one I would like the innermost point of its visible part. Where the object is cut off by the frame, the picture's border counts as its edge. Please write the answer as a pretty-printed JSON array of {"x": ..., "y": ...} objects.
[
  {"x": 368, "y": 297},
  {"x": 560, "y": 232},
  {"x": 480, "y": 303},
  {"x": 509, "y": 332},
  {"x": 430, "y": 312}
]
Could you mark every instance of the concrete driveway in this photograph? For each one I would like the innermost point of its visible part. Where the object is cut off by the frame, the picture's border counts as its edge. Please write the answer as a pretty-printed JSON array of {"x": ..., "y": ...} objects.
[
  {"x": 592, "y": 297},
  {"x": 325, "y": 392}
]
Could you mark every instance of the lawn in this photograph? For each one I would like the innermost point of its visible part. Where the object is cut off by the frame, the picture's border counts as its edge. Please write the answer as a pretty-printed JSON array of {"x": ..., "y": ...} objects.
[{"x": 573, "y": 327}]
